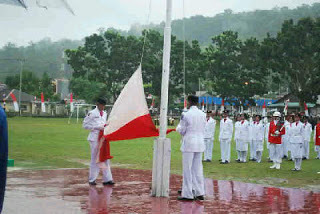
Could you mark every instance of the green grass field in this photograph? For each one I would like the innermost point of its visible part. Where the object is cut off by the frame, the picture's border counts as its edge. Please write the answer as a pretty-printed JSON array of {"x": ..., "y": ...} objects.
[{"x": 45, "y": 143}]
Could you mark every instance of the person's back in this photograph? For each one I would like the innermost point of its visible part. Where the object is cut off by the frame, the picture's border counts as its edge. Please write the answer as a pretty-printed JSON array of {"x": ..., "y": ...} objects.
[
  {"x": 3, "y": 154},
  {"x": 193, "y": 134}
]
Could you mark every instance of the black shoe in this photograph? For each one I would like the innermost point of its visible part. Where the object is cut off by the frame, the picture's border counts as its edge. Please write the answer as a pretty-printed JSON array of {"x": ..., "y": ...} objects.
[
  {"x": 208, "y": 160},
  {"x": 226, "y": 162},
  {"x": 254, "y": 159},
  {"x": 180, "y": 198},
  {"x": 270, "y": 161},
  {"x": 108, "y": 183},
  {"x": 237, "y": 160},
  {"x": 317, "y": 158},
  {"x": 179, "y": 191},
  {"x": 92, "y": 183},
  {"x": 222, "y": 162},
  {"x": 199, "y": 198},
  {"x": 294, "y": 169},
  {"x": 304, "y": 158},
  {"x": 285, "y": 157}
]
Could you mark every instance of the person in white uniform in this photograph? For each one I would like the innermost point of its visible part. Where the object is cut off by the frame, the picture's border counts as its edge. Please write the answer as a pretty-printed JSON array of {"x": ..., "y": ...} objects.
[
  {"x": 258, "y": 137},
  {"x": 237, "y": 136},
  {"x": 252, "y": 147},
  {"x": 95, "y": 121},
  {"x": 316, "y": 138},
  {"x": 266, "y": 136},
  {"x": 209, "y": 136},
  {"x": 243, "y": 138},
  {"x": 285, "y": 140},
  {"x": 296, "y": 141},
  {"x": 192, "y": 128},
  {"x": 225, "y": 136},
  {"x": 306, "y": 137}
]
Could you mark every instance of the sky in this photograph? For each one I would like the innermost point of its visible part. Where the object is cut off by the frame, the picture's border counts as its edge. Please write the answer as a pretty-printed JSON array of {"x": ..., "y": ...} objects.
[{"x": 22, "y": 26}]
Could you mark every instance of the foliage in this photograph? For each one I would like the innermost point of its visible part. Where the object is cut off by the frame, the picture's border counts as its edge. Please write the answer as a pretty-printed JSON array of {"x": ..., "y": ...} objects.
[
  {"x": 33, "y": 85},
  {"x": 293, "y": 55}
]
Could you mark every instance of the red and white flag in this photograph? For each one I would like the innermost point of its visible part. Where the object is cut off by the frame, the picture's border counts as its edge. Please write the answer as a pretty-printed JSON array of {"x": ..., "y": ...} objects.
[
  {"x": 43, "y": 107},
  {"x": 222, "y": 106},
  {"x": 306, "y": 112},
  {"x": 264, "y": 109},
  {"x": 129, "y": 117},
  {"x": 71, "y": 103},
  {"x": 285, "y": 110},
  {"x": 152, "y": 105},
  {"x": 15, "y": 103},
  {"x": 202, "y": 105},
  {"x": 185, "y": 108}
]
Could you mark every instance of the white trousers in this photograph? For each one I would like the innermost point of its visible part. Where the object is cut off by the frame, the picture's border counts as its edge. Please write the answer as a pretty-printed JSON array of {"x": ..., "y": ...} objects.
[
  {"x": 317, "y": 150},
  {"x": 275, "y": 152},
  {"x": 243, "y": 156},
  {"x": 297, "y": 163},
  {"x": 225, "y": 150},
  {"x": 94, "y": 168},
  {"x": 193, "y": 180},
  {"x": 253, "y": 149},
  {"x": 209, "y": 147},
  {"x": 306, "y": 149},
  {"x": 285, "y": 147},
  {"x": 259, "y": 156}
]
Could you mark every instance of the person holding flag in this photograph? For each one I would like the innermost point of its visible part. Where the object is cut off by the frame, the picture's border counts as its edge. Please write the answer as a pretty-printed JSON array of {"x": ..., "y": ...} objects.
[
  {"x": 192, "y": 128},
  {"x": 95, "y": 121}
]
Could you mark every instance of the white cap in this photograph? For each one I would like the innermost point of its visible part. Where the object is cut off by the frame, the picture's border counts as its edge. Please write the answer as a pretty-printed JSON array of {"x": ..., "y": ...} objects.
[{"x": 277, "y": 114}]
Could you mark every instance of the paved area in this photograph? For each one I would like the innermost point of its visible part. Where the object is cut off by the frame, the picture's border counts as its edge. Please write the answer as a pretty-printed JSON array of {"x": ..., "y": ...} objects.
[{"x": 66, "y": 191}]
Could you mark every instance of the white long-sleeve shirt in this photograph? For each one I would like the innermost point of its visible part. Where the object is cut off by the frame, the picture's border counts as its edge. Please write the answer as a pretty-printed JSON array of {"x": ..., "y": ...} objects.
[
  {"x": 258, "y": 131},
  {"x": 244, "y": 131},
  {"x": 94, "y": 122},
  {"x": 210, "y": 128},
  {"x": 226, "y": 129},
  {"x": 296, "y": 133},
  {"x": 307, "y": 131},
  {"x": 236, "y": 130},
  {"x": 192, "y": 127}
]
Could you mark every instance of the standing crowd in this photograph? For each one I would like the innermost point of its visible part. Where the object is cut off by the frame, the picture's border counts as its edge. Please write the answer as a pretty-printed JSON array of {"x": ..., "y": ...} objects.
[{"x": 291, "y": 136}]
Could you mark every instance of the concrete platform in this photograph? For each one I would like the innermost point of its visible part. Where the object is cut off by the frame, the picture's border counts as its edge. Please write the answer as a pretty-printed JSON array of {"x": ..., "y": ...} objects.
[{"x": 66, "y": 191}]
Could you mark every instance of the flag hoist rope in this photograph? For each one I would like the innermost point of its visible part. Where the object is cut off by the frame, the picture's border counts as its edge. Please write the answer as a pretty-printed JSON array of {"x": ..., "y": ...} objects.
[
  {"x": 184, "y": 49},
  {"x": 146, "y": 32}
]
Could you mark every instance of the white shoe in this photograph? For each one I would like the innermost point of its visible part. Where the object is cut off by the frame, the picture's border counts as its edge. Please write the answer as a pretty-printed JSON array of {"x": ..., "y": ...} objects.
[
  {"x": 273, "y": 166},
  {"x": 278, "y": 166}
]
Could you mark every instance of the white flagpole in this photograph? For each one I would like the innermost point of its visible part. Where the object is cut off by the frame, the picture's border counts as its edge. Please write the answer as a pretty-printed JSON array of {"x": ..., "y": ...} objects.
[{"x": 162, "y": 145}]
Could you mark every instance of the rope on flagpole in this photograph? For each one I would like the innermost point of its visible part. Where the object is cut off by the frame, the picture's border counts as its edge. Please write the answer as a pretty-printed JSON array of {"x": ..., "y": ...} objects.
[
  {"x": 146, "y": 33},
  {"x": 184, "y": 49}
]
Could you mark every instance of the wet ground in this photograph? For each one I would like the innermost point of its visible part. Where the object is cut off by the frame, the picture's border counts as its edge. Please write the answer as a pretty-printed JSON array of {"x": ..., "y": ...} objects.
[{"x": 67, "y": 192}]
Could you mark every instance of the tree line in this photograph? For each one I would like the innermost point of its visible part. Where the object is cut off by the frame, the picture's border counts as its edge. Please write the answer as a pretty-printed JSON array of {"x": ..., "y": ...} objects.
[{"x": 229, "y": 67}]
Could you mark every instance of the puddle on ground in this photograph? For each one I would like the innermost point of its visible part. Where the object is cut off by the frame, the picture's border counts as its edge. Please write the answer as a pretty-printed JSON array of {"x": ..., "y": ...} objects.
[{"x": 67, "y": 191}]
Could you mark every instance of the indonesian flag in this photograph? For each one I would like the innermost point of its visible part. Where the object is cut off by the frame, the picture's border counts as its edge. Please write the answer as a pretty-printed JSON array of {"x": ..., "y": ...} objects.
[
  {"x": 71, "y": 103},
  {"x": 129, "y": 117},
  {"x": 285, "y": 110},
  {"x": 152, "y": 104},
  {"x": 264, "y": 109},
  {"x": 202, "y": 104},
  {"x": 15, "y": 103},
  {"x": 222, "y": 106},
  {"x": 185, "y": 104},
  {"x": 306, "y": 112},
  {"x": 43, "y": 107}
]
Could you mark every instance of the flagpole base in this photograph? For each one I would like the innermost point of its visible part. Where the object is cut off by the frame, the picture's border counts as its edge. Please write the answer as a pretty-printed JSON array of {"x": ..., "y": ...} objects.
[{"x": 161, "y": 167}]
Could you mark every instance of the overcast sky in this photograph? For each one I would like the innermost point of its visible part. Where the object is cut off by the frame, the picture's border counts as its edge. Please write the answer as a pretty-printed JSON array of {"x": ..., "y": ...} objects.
[{"x": 21, "y": 26}]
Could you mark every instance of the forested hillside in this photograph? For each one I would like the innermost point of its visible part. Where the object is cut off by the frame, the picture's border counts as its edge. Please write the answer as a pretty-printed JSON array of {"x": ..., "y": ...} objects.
[{"x": 248, "y": 24}]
